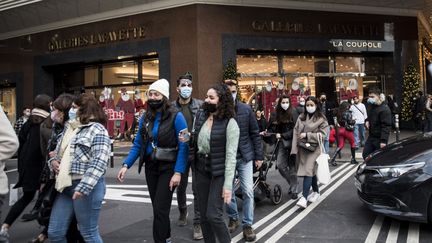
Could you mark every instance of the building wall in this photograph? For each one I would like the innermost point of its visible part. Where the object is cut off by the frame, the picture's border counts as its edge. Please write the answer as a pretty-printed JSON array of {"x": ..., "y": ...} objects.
[{"x": 190, "y": 38}]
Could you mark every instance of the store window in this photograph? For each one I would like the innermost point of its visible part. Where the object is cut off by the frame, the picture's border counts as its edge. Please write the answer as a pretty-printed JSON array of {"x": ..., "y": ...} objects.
[
  {"x": 263, "y": 77},
  {"x": 8, "y": 103}
]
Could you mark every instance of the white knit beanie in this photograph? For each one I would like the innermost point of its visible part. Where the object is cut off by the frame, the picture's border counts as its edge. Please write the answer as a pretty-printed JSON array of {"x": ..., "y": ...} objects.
[{"x": 161, "y": 86}]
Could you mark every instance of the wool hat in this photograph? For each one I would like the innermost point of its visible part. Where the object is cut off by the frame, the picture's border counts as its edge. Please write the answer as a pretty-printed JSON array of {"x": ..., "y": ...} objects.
[{"x": 161, "y": 86}]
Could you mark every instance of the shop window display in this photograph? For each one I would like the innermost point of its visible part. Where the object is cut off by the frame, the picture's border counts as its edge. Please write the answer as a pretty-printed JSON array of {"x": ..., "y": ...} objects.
[{"x": 262, "y": 78}]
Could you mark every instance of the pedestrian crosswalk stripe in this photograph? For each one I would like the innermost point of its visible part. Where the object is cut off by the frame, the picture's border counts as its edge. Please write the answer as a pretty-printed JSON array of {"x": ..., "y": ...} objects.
[
  {"x": 413, "y": 233},
  {"x": 277, "y": 212},
  {"x": 136, "y": 193},
  {"x": 372, "y": 237},
  {"x": 393, "y": 233},
  {"x": 293, "y": 222}
]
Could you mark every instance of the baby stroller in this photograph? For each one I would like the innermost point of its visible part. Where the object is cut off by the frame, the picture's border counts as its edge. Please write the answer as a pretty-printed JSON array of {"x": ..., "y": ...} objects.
[{"x": 262, "y": 189}]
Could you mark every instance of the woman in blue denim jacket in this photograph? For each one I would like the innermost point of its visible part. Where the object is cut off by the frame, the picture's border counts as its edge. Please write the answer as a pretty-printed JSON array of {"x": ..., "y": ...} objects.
[{"x": 80, "y": 164}]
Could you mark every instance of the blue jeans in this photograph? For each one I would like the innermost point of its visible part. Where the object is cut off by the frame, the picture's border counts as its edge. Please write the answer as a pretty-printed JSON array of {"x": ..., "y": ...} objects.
[
  {"x": 359, "y": 134},
  {"x": 309, "y": 181},
  {"x": 86, "y": 210},
  {"x": 245, "y": 174}
]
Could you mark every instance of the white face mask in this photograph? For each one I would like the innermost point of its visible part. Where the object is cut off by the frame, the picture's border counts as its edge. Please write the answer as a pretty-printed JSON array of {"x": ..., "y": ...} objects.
[
  {"x": 285, "y": 106},
  {"x": 310, "y": 109},
  {"x": 234, "y": 95},
  {"x": 302, "y": 103},
  {"x": 125, "y": 97}
]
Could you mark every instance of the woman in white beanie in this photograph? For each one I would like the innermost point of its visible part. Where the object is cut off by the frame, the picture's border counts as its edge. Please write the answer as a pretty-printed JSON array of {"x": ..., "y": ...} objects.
[{"x": 162, "y": 154}]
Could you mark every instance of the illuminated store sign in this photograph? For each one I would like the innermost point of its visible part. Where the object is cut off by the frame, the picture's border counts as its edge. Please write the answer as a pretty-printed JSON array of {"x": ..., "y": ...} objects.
[
  {"x": 97, "y": 38},
  {"x": 357, "y": 44},
  {"x": 371, "y": 30}
]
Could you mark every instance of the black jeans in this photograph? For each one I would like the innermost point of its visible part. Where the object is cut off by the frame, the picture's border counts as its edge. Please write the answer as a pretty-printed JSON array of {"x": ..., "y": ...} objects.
[
  {"x": 372, "y": 144},
  {"x": 2, "y": 198},
  {"x": 181, "y": 190},
  {"x": 209, "y": 192},
  {"x": 19, "y": 207},
  {"x": 158, "y": 178}
]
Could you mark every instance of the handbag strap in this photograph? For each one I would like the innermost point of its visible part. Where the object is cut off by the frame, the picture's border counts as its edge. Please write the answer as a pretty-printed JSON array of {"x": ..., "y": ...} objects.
[{"x": 320, "y": 142}]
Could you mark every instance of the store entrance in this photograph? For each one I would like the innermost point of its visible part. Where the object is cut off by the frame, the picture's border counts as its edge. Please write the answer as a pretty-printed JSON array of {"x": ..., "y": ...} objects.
[{"x": 326, "y": 85}]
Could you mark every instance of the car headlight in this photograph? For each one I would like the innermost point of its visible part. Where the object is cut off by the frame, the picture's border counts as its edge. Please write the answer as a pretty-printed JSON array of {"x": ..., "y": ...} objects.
[{"x": 397, "y": 170}]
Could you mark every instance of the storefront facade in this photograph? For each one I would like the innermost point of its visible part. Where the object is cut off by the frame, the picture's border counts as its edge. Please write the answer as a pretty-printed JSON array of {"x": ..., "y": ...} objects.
[{"x": 340, "y": 54}]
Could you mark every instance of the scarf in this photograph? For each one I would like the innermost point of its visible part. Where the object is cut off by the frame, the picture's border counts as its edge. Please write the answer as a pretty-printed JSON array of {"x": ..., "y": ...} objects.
[
  {"x": 64, "y": 178},
  {"x": 40, "y": 112}
]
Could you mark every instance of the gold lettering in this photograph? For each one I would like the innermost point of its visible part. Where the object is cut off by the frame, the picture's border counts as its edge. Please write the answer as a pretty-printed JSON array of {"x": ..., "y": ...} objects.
[
  {"x": 121, "y": 35},
  {"x": 257, "y": 25},
  {"x": 143, "y": 31},
  {"x": 112, "y": 36}
]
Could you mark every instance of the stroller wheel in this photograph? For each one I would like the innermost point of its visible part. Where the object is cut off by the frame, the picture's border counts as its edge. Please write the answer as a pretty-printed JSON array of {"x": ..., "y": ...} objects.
[{"x": 276, "y": 194}]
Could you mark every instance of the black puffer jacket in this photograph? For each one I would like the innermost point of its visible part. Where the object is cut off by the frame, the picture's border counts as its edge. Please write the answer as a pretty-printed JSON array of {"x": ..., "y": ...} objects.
[
  {"x": 250, "y": 146},
  {"x": 379, "y": 118}
]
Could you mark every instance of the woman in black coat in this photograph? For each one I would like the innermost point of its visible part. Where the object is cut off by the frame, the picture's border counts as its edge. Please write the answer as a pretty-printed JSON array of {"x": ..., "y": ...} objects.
[
  {"x": 30, "y": 159},
  {"x": 282, "y": 124}
]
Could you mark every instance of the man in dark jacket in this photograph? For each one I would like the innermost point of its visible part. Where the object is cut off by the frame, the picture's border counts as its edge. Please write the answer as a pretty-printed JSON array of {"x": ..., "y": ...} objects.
[
  {"x": 378, "y": 123},
  {"x": 328, "y": 109},
  {"x": 249, "y": 152},
  {"x": 189, "y": 107}
]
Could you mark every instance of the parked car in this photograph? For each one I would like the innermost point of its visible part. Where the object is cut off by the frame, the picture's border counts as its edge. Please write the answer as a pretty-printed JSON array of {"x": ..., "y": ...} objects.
[{"x": 397, "y": 181}]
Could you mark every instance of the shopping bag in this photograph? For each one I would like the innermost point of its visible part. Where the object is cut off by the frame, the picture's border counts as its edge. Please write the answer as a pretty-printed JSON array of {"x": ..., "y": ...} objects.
[
  {"x": 14, "y": 194},
  {"x": 323, "y": 170}
]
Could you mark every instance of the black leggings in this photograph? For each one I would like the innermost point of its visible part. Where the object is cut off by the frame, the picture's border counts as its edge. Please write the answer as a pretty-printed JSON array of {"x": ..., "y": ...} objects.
[{"x": 19, "y": 207}]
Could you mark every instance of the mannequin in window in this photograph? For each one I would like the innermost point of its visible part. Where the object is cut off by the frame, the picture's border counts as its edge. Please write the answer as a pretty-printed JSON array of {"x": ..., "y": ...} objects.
[{"x": 126, "y": 105}]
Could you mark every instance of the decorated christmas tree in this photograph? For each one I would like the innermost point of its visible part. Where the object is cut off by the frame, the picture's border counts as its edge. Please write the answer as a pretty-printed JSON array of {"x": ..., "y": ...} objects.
[
  {"x": 230, "y": 71},
  {"x": 410, "y": 86}
]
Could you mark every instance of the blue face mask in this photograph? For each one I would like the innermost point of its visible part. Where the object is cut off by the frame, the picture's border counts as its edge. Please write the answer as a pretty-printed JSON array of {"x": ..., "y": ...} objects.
[
  {"x": 185, "y": 92},
  {"x": 72, "y": 113},
  {"x": 371, "y": 101}
]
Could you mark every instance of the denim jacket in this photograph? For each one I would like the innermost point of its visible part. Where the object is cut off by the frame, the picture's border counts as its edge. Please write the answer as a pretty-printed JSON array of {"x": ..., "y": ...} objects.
[{"x": 90, "y": 152}]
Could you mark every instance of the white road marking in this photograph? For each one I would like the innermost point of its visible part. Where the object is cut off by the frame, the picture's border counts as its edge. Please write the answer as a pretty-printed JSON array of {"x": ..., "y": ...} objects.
[
  {"x": 276, "y": 212},
  {"x": 375, "y": 230},
  {"x": 413, "y": 233},
  {"x": 280, "y": 233},
  {"x": 394, "y": 232},
  {"x": 8, "y": 171},
  {"x": 119, "y": 193}
]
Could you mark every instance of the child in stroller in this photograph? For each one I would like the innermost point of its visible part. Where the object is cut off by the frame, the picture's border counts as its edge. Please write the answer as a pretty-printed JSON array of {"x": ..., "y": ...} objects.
[{"x": 262, "y": 189}]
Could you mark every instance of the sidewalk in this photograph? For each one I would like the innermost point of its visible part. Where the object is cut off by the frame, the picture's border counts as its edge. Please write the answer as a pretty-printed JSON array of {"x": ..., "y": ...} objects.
[{"x": 122, "y": 148}]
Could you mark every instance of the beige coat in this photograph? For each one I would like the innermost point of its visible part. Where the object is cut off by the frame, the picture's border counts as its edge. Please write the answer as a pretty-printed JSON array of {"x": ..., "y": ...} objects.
[
  {"x": 305, "y": 160},
  {"x": 8, "y": 147}
]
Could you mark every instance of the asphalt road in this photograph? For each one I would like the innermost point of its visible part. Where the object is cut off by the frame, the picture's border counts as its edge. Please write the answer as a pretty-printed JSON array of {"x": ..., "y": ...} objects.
[{"x": 338, "y": 216}]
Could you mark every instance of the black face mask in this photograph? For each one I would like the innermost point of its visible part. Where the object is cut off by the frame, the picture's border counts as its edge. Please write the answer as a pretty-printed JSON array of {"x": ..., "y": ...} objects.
[
  {"x": 155, "y": 104},
  {"x": 323, "y": 99},
  {"x": 209, "y": 107}
]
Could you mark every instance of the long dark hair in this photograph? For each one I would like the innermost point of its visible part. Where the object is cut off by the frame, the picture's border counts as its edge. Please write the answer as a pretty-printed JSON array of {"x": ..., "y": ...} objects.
[
  {"x": 317, "y": 114},
  {"x": 89, "y": 109},
  {"x": 225, "y": 107},
  {"x": 63, "y": 103},
  {"x": 343, "y": 107},
  {"x": 166, "y": 107},
  {"x": 284, "y": 116}
]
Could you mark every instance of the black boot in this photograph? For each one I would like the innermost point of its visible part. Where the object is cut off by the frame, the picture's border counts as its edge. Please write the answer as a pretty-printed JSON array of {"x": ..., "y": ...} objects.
[
  {"x": 333, "y": 158},
  {"x": 353, "y": 160}
]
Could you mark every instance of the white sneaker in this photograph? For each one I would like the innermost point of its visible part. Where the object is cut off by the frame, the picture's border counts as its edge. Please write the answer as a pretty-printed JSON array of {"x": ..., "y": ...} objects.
[
  {"x": 313, "y": 197},
  {"x": 302, "y": 202}
]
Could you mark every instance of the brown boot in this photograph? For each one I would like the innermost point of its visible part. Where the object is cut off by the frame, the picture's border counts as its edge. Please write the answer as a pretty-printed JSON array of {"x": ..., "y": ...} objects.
[
  {"x": 182, "y": 221},
  {"x": 248, "y": 233},
  {"x": 232, "y": 225}
]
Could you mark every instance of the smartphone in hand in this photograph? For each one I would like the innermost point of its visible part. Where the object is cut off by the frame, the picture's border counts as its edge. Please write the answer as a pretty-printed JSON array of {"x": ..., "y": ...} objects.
[{"x": 184, "y": 135}]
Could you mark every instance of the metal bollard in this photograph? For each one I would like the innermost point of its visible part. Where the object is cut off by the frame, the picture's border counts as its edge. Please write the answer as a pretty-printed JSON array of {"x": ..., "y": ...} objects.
[
  {"x": 112, "y": 154},
  {"x": 397, "y": 127}
]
